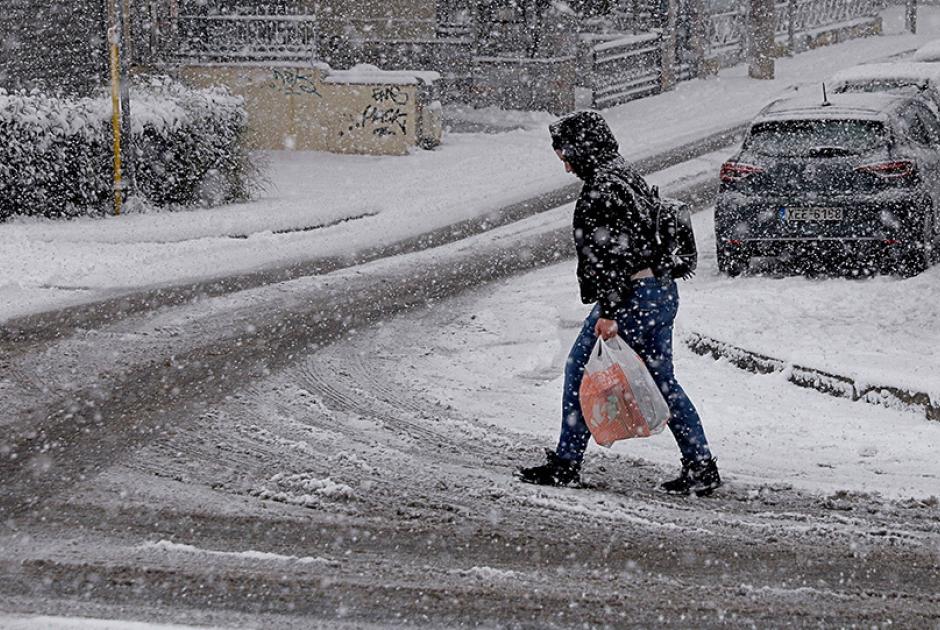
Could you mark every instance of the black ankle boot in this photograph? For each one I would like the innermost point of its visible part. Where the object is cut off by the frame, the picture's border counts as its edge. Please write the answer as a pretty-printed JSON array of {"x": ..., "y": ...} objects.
[
  {"x": 554, "y": 472},
  {"x": 679, "y": 485},
  {"x": 702, "y": 478}
]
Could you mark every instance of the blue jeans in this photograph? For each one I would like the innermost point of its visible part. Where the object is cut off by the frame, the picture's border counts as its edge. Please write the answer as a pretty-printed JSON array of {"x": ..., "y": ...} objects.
[{"x": 645, "y": 323}]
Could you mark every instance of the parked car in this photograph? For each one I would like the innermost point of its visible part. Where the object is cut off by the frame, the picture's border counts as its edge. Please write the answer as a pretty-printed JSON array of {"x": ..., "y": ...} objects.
[
  {"x": 857, "y": 176},
  {"x": 890, "y": 77}
]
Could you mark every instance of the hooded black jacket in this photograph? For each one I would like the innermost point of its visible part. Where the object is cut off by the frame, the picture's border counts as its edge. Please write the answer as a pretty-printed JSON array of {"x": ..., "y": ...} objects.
[{"x": 613, "y": 234}]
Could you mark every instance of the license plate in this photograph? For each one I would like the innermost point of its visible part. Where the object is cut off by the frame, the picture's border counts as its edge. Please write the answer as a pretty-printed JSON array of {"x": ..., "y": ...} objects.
[{"x": 812, "y": 214}]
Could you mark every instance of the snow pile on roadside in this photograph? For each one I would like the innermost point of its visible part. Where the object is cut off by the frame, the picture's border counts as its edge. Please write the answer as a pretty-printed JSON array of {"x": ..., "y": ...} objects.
[
  {"x": 44, "y": 622},
  {"x": 882, "y": 330},
  {"x": 305, "y": 489},
  {"x": 168, "y": 546}
]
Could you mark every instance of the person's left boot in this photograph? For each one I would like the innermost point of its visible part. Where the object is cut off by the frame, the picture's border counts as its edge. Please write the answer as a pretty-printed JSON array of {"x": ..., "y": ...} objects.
[
  {"x": 701, "y": 477},
  {"x": 554, "y": 472}
]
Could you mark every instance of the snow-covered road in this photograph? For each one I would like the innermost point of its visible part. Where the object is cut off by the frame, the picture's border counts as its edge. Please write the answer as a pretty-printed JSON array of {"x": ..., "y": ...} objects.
[{"x": 256, "y": 480}]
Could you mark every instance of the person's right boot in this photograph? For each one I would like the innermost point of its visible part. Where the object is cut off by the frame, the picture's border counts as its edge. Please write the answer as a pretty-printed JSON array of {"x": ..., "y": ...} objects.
[
  {"x": 700, "y": 477},
  {"x": 554, "y": 472}
]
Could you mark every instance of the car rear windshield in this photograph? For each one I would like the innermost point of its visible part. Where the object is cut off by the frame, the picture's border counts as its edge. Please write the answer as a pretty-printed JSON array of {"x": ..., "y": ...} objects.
[
  {"x": 881, "y": 85},
  {"x": 816, "y": 137}
]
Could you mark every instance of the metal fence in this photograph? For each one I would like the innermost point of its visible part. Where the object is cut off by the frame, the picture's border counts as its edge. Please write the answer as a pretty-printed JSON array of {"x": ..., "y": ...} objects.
[
  {"x": 455, "y": 19},
  {"x": 631, "y": 67},
  {"x": 53, "y": 45},
  {"x": 246, "y": 33},
  {"x": 726, "y": 29},
  {"x": 726, "y": 22},
  {"x": 639, "y": 16},
  {"x": 807, "y": 15}
]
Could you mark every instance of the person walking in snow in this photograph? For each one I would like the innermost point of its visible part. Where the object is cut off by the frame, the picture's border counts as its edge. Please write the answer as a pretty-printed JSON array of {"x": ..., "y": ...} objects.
[{"x": 624, "y": 273}]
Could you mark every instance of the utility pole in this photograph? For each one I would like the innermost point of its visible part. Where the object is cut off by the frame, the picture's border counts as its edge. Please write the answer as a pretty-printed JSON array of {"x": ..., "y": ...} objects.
[
  {"x": 114, "y": 58},
  {"x": 760, "y": 42},
  {"x": 123, "y": 144},
  {"x": 910, "y": 16}
]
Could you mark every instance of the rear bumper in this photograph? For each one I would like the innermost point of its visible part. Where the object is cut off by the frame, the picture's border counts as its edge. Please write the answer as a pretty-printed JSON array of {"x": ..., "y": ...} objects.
[
  {"x": 760, "y": 221},
  {"x": 821, "y": 248}
]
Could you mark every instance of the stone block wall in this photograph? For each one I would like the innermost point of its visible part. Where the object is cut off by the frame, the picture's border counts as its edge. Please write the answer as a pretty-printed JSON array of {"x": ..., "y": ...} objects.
[{"x": 311, "y": 107}]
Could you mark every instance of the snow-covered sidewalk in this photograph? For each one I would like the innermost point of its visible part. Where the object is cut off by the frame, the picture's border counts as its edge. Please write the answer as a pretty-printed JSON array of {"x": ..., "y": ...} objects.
[{"x": 368, "y": 201}]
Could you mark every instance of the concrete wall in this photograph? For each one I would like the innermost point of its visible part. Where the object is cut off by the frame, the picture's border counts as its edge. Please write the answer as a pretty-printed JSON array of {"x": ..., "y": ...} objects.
[{"x": 302, "y": 107}]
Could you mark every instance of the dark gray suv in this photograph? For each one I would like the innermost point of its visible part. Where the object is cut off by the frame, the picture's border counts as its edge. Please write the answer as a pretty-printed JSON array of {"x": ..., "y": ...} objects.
[{"x": 855, "y": 178}]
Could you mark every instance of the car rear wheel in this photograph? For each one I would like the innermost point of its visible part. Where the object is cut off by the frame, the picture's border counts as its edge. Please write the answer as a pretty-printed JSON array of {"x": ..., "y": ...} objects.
[
  {"x": 732, "y": 263},
  {"x": 915, "y": 261},
  {"x": 917, "y": 255}
]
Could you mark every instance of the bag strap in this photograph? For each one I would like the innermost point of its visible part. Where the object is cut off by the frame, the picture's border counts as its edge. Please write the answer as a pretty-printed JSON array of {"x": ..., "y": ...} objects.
[
  {"x": 644, "y": 195},
  {"x": 601, "y": 343}
]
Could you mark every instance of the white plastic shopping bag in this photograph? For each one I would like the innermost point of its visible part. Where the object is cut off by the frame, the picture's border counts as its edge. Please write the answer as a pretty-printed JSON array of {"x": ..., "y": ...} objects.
[{"x": 619, "y": 398}]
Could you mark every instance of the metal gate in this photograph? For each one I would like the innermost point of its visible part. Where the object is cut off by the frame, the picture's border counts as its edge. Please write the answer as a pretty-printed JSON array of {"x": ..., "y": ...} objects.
[{"x": 626, "y": 68}]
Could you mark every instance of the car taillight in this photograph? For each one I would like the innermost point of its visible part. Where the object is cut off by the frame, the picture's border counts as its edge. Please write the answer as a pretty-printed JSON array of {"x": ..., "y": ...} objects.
[
  {"x": 736, "y": 171},
  {"x": 890, "y": 170}
]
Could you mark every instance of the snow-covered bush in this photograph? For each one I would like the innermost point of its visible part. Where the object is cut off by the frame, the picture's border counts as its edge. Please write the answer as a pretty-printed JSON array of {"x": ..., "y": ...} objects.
[
  {"x": 54, "y": 154},
  {"x": 189, "y": 144},
  {"x": 56, "y": 160}
]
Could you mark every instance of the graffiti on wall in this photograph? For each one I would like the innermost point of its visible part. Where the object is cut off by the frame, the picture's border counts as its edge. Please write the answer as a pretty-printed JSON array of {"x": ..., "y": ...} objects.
[
  {"x": 293, "y": 82},
  {"x": 390, "y": 94},
  {"x": 383, "y": 122},
  {"x": 385, "y": 116}
]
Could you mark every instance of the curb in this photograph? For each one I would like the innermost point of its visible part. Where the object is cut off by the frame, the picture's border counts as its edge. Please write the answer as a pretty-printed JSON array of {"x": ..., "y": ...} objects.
[{"x": 828, "y": 383}]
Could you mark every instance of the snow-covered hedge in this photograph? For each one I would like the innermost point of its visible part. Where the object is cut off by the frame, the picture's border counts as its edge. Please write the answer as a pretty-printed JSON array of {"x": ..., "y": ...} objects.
[{"x": 55, "y": 153}]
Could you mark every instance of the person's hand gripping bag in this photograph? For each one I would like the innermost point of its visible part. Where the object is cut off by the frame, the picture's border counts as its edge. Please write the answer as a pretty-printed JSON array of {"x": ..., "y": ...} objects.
[{"x": 619, "y": 398}]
